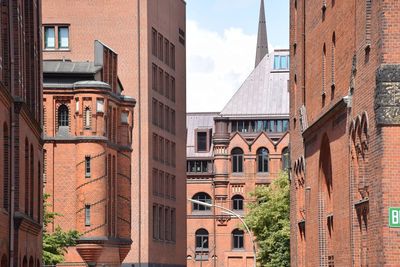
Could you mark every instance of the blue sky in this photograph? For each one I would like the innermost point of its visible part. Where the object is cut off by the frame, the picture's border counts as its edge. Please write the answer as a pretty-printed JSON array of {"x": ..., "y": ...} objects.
[
  {"x": 222, "y": 14},
  {"x": 221, "y": 42}
]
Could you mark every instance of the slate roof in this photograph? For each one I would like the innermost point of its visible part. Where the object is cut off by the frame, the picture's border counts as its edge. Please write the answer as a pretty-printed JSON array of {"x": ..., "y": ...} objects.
[
  {"x": 201, "y": 120},
  {"x": 68, "y": 67},
  {"x": 263, "y": 94}
]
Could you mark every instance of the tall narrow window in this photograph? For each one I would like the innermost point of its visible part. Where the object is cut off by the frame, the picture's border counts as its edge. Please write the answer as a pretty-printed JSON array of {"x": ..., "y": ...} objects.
[
  {"x": 262, "y": 159},
  {"x": 160, "y": 47},
  {"x": 285, "y": 159},
  {"x": 63, "y": 37},
  {"x": 161, "y": 223},
  {"x": 49, "y": 37},
  {"x": 154, "y": 77},
  {"x": 172, "y": 54},
  {"x": 63, "y": 115},
  {"x": 237, "y": 160},
  {"x": 166, "y": 49},
  {"x": 26, "y": 165},
  {"x": 202, "y": 142},
  {"x": 323, "y": 68},
  {"x": 173, "y": 225},
  {"x": 238, "y": 239},
  {"x": 87, "y": 215},
  {"x": 154, "y": 42},
  {"x": 32, "y": 182},
  {"x": 161, "y": 81},
  {"x": 173, "y": 89},
  {"x": 6, "y": 162},
  {"x": 155, "y": 222},
  {"x": 201, "y": 240},
  {"x": 87, "y": 166},
  {"x": 87, "y": 118},
  {"x": 167, "y": 224}
]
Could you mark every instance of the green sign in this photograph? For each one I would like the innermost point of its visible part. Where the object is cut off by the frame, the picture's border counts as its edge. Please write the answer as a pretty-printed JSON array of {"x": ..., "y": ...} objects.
[{"x": 394, "y": 217}]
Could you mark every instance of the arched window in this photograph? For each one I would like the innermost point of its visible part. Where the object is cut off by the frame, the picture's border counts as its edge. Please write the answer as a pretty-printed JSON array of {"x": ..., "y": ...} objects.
[
  {"x": 202, "y": 240},
  {"x": 237, "y": 202},
  {"x": 238, "y": 239},
  {"x": 87, "y": 118},
  {"x": 237, "y": 160},
  {"x": 26, "y": 166},
  {"x": 6, "y": 162},
  {"x": 285, "y": 159},
  {"x": 63, "y": 116},
  {"x": 262, "y": 159},
  {"x": 31, "y": 180},
  {"x": 203, "y": 197}
]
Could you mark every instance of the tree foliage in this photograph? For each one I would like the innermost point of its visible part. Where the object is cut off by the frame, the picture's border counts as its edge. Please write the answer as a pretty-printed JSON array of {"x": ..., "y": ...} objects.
[
  {"x": 269, "y": 219},
  {"x": 55, "y": 244}
]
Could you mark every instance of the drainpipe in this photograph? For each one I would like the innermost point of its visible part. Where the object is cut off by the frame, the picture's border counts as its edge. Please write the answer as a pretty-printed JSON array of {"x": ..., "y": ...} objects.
[
  {"x": 12, "y": 137},
  {"x": 139, "y": 125},
  {"x": 215, "y": 229}
]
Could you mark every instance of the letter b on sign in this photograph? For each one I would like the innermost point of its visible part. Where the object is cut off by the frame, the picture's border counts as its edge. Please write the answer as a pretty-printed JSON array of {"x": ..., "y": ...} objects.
[{"x": 394, "y": 217}]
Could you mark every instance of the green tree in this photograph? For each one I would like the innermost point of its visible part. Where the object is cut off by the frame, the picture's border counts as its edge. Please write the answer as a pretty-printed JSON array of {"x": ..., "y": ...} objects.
[
  {"x": 55, "y": 244},
  {"x": 269, "y": 219}
]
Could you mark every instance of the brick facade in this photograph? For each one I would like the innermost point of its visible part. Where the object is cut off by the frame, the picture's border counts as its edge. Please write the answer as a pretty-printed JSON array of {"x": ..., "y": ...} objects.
[
  {"x": 20, "y": 130},
  {"x": 149, "y": 38},
  {"x": 88, "y": 137},
  {"x": 343, "y": 135}
]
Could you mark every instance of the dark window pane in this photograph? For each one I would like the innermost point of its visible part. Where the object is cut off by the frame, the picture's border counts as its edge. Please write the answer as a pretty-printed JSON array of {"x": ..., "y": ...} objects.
[
  {"x": 279, "y": 125},
  {"x": 285, "y": 125},
  {"x": 201, "y": 141}
]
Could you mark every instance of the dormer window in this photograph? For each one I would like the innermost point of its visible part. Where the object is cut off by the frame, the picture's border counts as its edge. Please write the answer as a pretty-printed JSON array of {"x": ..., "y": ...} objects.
[
  {"x": 203, "y": 140},
  {"x": 281, "y": 62}
]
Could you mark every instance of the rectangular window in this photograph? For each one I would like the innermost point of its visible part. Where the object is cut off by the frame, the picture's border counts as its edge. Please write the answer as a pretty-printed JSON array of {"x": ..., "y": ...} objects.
[
  {"x": 167, "y": 152},
  {"x": 173, "y": 187},
  {"x": 63, "y": 37},
  {"x": 173, "y": 121},
  {"x": 173, "y": 154},
  {"x": 160, "y": 47},
  {"x": 166, "y": 87},
  {"x": 161, "y": 150},
  {"x": 87, "y": 215},
  {"x": 173, "y": 225},
  {"x": 154, "y": 112},
  {"x": 276, "y": 62},
  {"x": 49, "y": 37},
  {"x": 87, "y": 166},
  {"x": 285, "y": 125},
  {"x": 284, "y": 62},
  {"x": 155, "y": 222},
  {"x": 154, "y": 77},
  {"x": 173, "y": 89},
  {"x": 167, "y": 120},
  {"x": 161, "y": 81},
  {"x": 271, "y": 126},
  {"x": 160, "y": 223},
  {"x": 154, "y": 42},
  {"x": 100, "y": 105},
  {"x": 279, "y": 126},
  {"x": 161, "y": 183},
  {"x": 160, "y": 115},
  {"x": 166, "y": 49},
  {"x": 124, "y": 117},
  {"x": 172, "y": 56},
  {"x": 76, "y": 104},
  {"x": 167, "y": 185},
  {"x": 155, "y": 147},
  {"x": 201, "y": 141},
  {"x": 155, "y": 182},
  {"x": 167, "y": 224}
]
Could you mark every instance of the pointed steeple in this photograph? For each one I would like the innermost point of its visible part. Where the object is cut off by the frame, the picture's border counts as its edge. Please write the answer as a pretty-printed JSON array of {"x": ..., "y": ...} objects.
[{"x": 262, "y": 40}]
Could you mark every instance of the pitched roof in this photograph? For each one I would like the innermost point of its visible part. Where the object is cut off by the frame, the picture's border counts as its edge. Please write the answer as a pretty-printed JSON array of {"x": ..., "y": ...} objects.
[
  {"x": 202, "y": 120},
  {"x": 263, "y": 94},
  {"x": 262, "y": 39},
  {"x": 68, "y": 67}
]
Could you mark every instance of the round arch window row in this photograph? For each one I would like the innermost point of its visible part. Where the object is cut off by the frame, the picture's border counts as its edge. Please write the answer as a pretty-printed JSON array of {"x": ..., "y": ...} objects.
[
  {"x": 237, "y": 202},
  {"x": 202, "y": 239}
]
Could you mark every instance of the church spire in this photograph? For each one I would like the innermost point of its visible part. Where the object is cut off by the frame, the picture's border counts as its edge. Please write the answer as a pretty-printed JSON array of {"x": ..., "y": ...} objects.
[{"x": 262, "y": 41}]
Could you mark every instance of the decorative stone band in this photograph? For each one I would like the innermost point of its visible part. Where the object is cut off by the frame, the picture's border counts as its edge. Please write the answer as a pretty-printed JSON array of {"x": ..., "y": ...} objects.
[{"x": 387, "y": 95}]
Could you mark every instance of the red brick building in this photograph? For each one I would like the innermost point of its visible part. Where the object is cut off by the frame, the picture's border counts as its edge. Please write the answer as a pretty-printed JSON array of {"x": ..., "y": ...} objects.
[
  {"x": 149, "y": 38},
  {"x": 232, "y": 152},
  {"x": 88, "y": 135},
  {"x": 20, "y": 134},
  {"x": 344, "y": 107}
]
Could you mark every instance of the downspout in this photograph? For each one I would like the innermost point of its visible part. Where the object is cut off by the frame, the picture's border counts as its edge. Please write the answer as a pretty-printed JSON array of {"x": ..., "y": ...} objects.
[
  {"x": 139, "y": 124},
  {"x": 304, "y": 52},
  {"x": 215, "y": 229},
  {"x": 12, "y": 136}
]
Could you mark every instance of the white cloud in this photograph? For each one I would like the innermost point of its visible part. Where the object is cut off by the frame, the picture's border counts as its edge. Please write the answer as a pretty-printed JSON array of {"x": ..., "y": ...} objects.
[{"x": 217, "y": 64}]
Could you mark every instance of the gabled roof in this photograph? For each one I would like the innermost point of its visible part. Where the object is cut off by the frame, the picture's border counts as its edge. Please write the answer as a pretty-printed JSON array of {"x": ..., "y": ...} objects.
[{"x": 263, "y": 94}]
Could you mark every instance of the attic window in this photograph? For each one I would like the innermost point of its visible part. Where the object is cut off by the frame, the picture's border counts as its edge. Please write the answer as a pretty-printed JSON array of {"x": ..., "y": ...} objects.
[
  {"x": 281, "y": 62},
  {"x": 203, "y": 140}
]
